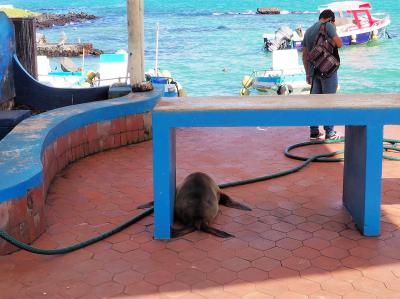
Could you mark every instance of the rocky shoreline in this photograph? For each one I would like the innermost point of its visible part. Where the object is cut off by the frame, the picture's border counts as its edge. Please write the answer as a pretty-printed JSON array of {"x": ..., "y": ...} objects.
[
  {"x": 47, "y": 20},
  {"x": 50, "y": 20},
  {"x": 67, "y": 50},
  {"x": 62, "y": 49},
  {"x": 268, "y": 10}
]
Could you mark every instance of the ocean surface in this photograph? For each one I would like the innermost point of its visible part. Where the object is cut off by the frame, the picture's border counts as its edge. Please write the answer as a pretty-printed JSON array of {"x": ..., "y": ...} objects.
[{"x": 210, "y": 45}]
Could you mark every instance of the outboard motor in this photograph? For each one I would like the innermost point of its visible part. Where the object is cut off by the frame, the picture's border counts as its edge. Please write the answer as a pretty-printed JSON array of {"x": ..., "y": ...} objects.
[{"x": 281, "y": 41}]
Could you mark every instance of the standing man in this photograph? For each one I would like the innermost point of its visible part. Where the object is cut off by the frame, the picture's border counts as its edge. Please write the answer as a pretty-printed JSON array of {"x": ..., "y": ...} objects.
[{"x": 321, "y": 85}]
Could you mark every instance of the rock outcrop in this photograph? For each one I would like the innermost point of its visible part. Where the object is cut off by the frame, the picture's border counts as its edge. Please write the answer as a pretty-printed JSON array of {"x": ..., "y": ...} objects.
[
  {"x": 269, "y": 11},
  {"x": 47, "y": 20},
  {"x": 67, "y": 50}
]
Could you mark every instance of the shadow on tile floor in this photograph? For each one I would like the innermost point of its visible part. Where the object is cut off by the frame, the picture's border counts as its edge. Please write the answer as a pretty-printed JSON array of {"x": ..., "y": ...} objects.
[{"x": 297, "y": 242}]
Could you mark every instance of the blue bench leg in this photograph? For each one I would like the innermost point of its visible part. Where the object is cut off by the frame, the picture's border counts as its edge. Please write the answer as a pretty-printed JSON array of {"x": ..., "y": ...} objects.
[
  {"x": 362, "y": 176},
  {"x": 164, "y": 170}
]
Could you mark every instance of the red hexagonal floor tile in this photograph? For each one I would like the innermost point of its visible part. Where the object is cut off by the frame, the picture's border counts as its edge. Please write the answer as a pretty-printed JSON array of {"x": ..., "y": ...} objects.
[
  {"x": 191, "y": 276},
  {"x": 297, "y": 242},
  {"x": 222, "y": 276},
  {"x": 159, "y": 277},
  {"x": 253, "y": 274},
  {"x": 296, "y": 263},
  {"x": 236, "y": 264}
]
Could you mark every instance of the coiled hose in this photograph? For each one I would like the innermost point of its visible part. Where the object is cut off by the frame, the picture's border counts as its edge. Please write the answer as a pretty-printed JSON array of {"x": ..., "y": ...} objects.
[{"x": 307, "y": 160}]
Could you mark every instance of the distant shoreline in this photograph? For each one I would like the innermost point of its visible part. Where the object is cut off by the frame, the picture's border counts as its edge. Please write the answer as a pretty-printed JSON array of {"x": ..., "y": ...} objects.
[{"x": 48, "y": 20}]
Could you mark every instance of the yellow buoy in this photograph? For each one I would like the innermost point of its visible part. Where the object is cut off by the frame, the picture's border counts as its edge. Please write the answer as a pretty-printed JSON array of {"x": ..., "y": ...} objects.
[
  {"x": 374, "y": 35},
  {"x": 181, "y": 91},
  {"x": 90, "y": 75},
  {"x": 247, "y": 81},
  {"x": 244, "y": 91}
]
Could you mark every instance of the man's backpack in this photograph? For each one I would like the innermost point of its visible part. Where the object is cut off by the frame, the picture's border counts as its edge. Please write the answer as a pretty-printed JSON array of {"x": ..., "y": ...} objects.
[{"x": 321, "y": 55}]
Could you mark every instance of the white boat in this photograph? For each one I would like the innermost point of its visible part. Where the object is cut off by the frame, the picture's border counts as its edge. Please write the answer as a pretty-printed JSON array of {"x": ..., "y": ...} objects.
[
  {"x": 55, "y": 78},
  {"x": 286, "y": 75},
  {"x": 283, "y": 38},
  {"x": 164, "y": 79},
  {"x": 354, "y": 24},
  {"x": 112, "y": 69}
]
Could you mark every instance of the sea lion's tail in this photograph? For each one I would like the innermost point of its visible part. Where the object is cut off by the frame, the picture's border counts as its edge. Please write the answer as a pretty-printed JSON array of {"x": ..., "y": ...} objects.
[
  {"x": 225, "y": 200},
  {"x": 216, "y": 232},
  {"x": 179, "y": 232}
]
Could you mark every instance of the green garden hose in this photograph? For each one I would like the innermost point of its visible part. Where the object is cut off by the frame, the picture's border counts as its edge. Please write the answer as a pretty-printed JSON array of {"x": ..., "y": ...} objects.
[
  {"x": 76, "y": 246},
  {"x": 327, "y": 157},
  {"x": 392, "y": 147}
]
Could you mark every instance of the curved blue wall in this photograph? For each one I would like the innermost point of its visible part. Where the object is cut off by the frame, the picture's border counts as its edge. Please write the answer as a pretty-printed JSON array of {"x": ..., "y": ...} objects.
[{"x": 21, "y": 150}]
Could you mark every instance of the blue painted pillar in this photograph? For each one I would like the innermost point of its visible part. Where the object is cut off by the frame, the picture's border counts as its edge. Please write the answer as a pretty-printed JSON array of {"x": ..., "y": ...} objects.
[
  {"x": 164, "y": 171},
  {"x": 363, "y": 176},
  {"x": 7, "y": 50}
]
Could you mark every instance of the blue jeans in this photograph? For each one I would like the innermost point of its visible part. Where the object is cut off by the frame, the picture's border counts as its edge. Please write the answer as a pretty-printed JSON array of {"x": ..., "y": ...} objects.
[{"x": 324, "y": 86}]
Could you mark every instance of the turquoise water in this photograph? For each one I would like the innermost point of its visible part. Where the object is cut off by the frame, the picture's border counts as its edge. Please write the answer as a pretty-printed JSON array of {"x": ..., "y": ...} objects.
[{"x": 210, "y": 45}]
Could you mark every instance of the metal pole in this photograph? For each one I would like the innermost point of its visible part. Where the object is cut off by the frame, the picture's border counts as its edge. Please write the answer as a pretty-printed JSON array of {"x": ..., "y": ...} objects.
[
  {"x": 156, "y": 64},
  {"x": 135, "y": 14}
]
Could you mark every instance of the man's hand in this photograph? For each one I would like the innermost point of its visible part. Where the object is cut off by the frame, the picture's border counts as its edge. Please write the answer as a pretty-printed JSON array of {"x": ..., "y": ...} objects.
[
  {"x": 309, "y": 79},
  {"x": 306, "y": 65},
  {"x": 338, "y": 41}
]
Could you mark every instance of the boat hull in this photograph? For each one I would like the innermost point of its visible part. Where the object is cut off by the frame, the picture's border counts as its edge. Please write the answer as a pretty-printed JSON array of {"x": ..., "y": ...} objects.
[
  {"x": 362, "y": 37},
  {"x": 296, "y": 83},
  {"x": 348, "y": 37}
]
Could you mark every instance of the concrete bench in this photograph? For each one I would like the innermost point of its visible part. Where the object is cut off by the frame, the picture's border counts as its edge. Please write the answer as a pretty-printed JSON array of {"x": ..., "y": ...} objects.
[
  {"x": 42, "y": 145},
  {"x": 364, "y": 116},
  {"x": 10, "y": 118}
]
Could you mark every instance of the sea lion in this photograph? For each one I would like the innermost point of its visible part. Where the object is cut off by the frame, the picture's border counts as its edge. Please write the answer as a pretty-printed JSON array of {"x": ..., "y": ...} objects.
[{"x": 196, "y": 205}]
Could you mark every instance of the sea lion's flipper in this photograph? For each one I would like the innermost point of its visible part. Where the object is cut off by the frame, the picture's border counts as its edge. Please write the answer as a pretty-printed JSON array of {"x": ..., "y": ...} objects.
[
  {"x": 229, "y": 202},
  {"x": 146, "y": 205},
  {"x": 216, "y": 232},
  {"x": 179, "y": 232}
]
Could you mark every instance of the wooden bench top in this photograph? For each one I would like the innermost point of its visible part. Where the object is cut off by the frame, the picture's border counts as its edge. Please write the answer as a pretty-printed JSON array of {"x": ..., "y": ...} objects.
[{"x": 293, "y": 102}]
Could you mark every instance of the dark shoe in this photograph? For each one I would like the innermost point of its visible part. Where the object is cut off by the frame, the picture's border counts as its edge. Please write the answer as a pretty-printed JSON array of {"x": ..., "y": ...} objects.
[
  {"x": 316, "y": 137},
  {"x": 334, "y": 137}
]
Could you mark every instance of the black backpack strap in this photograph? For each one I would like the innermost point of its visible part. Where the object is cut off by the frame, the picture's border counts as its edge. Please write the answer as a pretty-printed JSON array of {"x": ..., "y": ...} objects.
[{"x": 322, "y": 33}]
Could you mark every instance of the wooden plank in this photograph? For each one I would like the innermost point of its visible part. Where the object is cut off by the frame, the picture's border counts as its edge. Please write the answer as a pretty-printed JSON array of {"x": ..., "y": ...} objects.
[
  {"x": 295, "y": 102},
  {"x": 25, "y": 43},
  {"x": 135, "y": 14}
]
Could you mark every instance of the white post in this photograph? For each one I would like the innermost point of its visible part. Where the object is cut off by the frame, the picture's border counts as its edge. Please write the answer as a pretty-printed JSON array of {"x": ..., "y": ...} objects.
[
  {"x": 156, "y": 64},
  {"x": 135, "y": 13},
  {"x": 83, "y": 61}
]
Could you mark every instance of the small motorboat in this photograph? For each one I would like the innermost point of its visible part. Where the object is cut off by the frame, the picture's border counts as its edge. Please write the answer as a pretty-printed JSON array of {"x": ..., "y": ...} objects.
[
  {"x": 354, "y": 24},
  {"x": 283, "y": 38},
  {"x": 63, "y": 78},
  {"x": 163, "y": 79},
  {"x": 286, "y": 76}
]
